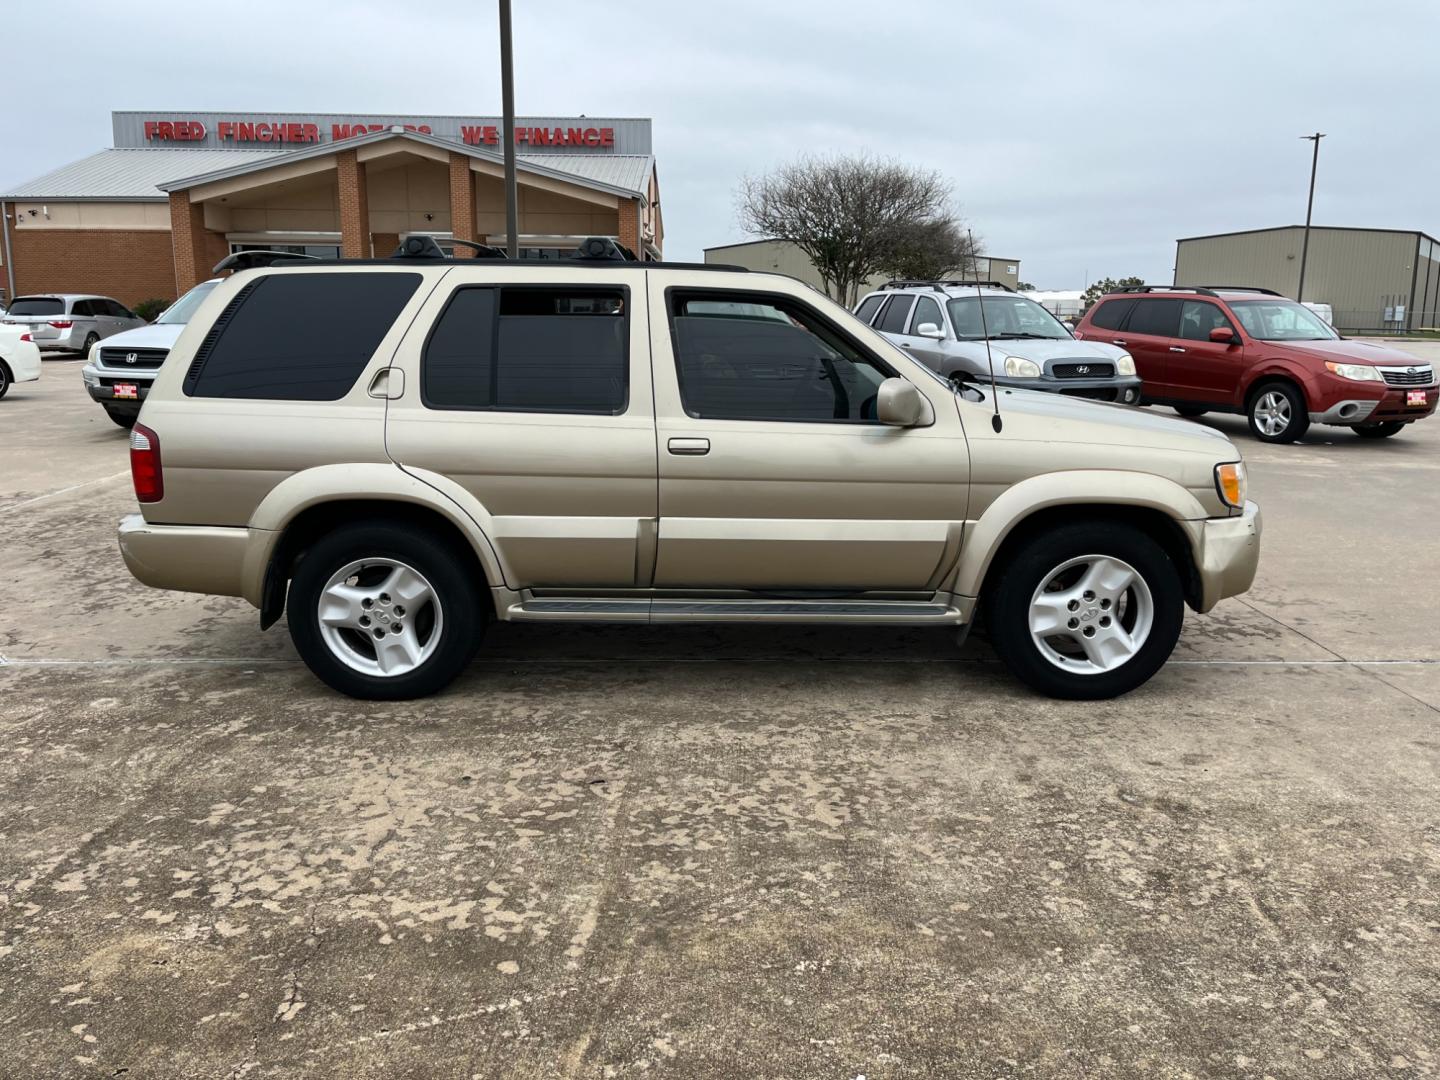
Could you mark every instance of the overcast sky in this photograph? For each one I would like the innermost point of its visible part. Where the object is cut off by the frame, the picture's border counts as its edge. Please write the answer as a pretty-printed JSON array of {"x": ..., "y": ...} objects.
[{"x": 1081, "y": 139}]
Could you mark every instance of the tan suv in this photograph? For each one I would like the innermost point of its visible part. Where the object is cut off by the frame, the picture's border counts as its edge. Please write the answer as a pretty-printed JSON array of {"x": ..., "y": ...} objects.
[{"x": 649, "y": 443}]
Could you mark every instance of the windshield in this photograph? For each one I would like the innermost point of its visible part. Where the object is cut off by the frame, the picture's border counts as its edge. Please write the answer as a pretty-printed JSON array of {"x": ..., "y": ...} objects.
[
  {"x": 1281, "y": 320},
  {"x": 182, "y": 310},
  {"x": 37, "y": 305},
  {"x": 1005, "y": 317}
]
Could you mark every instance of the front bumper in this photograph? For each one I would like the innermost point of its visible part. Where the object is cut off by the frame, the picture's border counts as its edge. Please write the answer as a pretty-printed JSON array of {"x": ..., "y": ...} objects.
[
  {"x": 1228, "y": 553},
  {"x": 1390, "y": 406},
  {"x": 1124, "y": 389},
  {"x": 100, "y": 385},
  {"x": 190, "y": 558}
]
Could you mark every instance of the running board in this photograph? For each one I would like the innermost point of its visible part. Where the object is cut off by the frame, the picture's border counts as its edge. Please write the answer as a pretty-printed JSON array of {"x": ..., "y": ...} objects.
[{"x": 664, "y": 610}]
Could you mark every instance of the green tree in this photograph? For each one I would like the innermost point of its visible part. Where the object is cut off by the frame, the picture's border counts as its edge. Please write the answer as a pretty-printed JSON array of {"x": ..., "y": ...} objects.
[
  {"x": 1108, "y": 285},
  {"x": 1025, "y": 286}
]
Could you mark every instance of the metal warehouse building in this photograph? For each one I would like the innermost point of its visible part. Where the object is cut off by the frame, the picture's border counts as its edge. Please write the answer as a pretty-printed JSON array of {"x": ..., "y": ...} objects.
[
  {"x": 1385, "y": 280},
  {"x": 177, "y": 192}
]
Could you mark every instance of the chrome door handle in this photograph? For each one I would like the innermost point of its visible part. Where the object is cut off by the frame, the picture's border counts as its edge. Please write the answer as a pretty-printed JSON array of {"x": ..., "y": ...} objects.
[
  {"x": 694, "y": 447},
  {"x": 1118, "y": 341},
  {"x": 1176, "y": 348}
]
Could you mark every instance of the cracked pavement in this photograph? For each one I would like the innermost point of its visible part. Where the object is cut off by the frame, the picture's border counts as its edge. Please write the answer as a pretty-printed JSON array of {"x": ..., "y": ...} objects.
[{"x": 721, "y": 851}]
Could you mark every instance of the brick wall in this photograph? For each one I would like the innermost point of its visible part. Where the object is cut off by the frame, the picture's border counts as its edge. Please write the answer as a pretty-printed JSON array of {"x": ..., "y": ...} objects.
[
  {"x": 129, "y": 264},
  {"x": 384, "y": 243},
  {"x": 629, "y": 230},
  {"x": 462, "y": 203}
]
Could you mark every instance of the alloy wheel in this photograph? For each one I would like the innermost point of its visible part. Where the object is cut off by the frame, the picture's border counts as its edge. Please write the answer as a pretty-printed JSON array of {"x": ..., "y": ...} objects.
[
  {"x": 1091, "y": 614},
  {"x": 380, "y": 617},
  {"x": 1272, "y": 413}
]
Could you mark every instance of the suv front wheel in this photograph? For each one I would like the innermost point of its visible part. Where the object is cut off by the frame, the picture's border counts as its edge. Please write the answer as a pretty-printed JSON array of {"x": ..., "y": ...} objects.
[
  {"x": 1277, "y": 413},
  {"x": 384, "y": 611},
  {"x": 1086, "y": 611}
]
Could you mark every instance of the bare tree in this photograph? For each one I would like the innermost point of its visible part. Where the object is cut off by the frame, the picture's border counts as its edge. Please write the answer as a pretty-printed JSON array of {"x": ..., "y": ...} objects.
[
  {"x": 929, "y": 250},
  {"x": 850, "y": 215}
]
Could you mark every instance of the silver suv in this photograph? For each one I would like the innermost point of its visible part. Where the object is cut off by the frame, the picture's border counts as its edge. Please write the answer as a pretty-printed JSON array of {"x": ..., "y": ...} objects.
[
  {"x": 944, "y": 326},
  {"x": 601, "y": 440},
  {"x": 70, "y": 322}
]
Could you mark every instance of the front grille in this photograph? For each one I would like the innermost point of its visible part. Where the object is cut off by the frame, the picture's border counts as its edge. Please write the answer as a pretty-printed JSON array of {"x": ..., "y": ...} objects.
[
  {"x": 1079, "y": 370},
  {"x": 124, "y": 359},
  {"x": 1408, "y": 376},
  {"x": 1100, "y": 393}
]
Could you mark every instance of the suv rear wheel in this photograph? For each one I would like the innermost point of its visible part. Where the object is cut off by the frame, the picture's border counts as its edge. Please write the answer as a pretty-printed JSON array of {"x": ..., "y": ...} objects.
[
  {"x": 1277, "y": 413},
  {"x": 1381, "y": 429},
  {"x": 384, "y": 611},
  {"x": 1086, "y": 611},
  {"x": 1191, "y": 411}
]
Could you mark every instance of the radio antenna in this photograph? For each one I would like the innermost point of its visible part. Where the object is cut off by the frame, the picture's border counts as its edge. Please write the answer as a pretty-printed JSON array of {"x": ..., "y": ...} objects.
[{"x": 995, "y": 421}]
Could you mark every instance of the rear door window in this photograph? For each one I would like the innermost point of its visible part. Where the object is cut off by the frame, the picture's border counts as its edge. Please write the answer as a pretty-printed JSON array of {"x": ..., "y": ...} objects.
[
  {"x": 526, "y": 349},
  {"x": 893, "y": 320},
  {"x": 298, "y": 337},
  {"x": 1110, "y": 315},
  {"x": 866, "y": 311},
  {"x": 1155, "y": 316},
  {"x": 83, "y": 309}
]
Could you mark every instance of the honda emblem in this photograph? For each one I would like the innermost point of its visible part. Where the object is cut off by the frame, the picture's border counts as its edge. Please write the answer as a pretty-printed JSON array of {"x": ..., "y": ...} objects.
[{"x": 130, "y": 358}]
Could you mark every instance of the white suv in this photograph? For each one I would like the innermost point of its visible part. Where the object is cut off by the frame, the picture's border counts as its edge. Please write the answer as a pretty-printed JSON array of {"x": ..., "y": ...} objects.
[{"x": 942, "y": 324}]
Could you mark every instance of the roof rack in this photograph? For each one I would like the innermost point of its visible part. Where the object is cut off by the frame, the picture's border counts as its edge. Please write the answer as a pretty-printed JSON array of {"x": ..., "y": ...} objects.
[
  {"x": 942, "y": 284},
  {"x": 1243, "y": 288},
  {"x": 250, "y": 260},
  {"x": 1202, "y": 290}
]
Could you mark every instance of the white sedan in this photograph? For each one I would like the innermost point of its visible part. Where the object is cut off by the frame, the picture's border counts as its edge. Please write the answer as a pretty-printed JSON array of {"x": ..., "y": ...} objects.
[{"x": 19, "y": 358}]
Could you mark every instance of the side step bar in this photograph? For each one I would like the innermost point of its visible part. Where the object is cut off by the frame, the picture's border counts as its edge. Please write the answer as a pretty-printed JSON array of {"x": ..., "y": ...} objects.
[{"x": 667, "y": 610}]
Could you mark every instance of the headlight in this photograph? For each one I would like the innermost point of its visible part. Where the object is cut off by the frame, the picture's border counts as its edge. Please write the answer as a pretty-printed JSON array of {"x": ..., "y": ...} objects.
[
  {"x": 1230, "y": 483},
  {"x": 1125, "y": 364},
  {"x": 1358, "y": 372},
  {"x": 1017, "y": 367}
]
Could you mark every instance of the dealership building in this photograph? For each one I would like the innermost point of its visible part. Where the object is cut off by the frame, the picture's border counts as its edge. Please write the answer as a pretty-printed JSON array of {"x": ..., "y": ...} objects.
[
  {"x": 1385, "y": 280},
  {"x": 178, "y": 191}
]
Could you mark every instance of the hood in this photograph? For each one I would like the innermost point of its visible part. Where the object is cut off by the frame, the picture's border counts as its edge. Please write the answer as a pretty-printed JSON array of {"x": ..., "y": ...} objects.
[
  {"x": 161, "y": 336},
  {"x": 1352, "y": 352},
  {"x": 1060, "y": 418},
  {"x": 1044, "y": 350}
]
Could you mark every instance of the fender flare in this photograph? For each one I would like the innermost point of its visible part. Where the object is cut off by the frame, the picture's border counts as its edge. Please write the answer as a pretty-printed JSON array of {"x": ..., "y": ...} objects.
[
  {"x": 1274, "y": 368},
  {"x": 1081, "y": 487},
  {"x": 370, "y": 481}
]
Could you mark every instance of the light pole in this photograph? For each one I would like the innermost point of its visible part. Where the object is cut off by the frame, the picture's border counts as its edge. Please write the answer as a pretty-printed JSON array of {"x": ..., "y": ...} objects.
[
  {"x": 507, "y": 104},
  {"x": 1309, "y": 206}
]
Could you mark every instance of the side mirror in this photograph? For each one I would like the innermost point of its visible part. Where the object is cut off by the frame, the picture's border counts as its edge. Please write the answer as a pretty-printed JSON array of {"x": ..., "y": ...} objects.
[
  {"x": 929, "y": 330},
  {"x": 1224, "y": 336},
  {"x": 899, "y": 404}
]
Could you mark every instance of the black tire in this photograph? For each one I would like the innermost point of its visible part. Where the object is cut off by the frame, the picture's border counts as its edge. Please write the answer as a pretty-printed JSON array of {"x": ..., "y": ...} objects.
[
  {"x": 90, "y": 340},
  {"x": 1267, "y": 398},
  {"x": 1191, "y": 411},
  {"x": 1381, "y": 429},
  {"x": 448, "y": 571},
  {"x": 4, "y": 379},
  {"x": 126, "y": 420},
  {"x": 1008, "y": 600}
]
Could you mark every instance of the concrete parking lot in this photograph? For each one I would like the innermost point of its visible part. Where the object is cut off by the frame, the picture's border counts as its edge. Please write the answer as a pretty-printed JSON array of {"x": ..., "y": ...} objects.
[{"x": 721, "y": 851}]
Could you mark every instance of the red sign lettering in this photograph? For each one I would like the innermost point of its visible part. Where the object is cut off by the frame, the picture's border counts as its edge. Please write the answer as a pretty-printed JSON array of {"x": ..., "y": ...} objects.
[{"x": 264, "y": 131}]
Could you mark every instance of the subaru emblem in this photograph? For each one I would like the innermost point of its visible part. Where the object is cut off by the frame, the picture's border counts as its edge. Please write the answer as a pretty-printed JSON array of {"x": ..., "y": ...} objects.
[
  {"x": 1410, "y": 370},
  {"x": 130, "y": 358}
]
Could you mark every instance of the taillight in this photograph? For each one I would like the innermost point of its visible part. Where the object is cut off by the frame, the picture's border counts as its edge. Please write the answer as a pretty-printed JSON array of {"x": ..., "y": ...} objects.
[
  {"x": 62, "y": 324},
  {"x": 25, "y": 337},
  {"x": 145, "y": 464}
]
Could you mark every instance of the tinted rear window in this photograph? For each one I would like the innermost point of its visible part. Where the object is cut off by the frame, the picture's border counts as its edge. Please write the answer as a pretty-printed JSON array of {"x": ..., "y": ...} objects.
[
  {"x": 1111, "y": 313},
  {"x": 299, "y": 337},
  {"x": 866, "y": 311},
  {"x": 1158, "y": 317},
  {"x": 37, "y": 305},
  {"x": 529, "y": 350}
]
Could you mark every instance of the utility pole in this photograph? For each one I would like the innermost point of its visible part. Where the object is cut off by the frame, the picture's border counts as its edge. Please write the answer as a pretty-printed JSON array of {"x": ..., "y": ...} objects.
[
  {"x": 1309, "y": 207},
  {"x": 507, "y": 100}
]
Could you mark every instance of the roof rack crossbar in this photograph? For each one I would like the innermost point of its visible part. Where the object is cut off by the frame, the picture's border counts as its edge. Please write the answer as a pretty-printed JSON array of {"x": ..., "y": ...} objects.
[
  {"x": 252, "y": 258},
  {"x": 941, "y": 284},
  {"x": 1244, "y": 288},
  {"x": 1202, "y": 290}
]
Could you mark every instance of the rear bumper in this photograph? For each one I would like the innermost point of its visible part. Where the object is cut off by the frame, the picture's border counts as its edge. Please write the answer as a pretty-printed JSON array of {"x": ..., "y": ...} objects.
[
  {"x": 1229, "y": 552},
  {"x": 189, "y": 558}
]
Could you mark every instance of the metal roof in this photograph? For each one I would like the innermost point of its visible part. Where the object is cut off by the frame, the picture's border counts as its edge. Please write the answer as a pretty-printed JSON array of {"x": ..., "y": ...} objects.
[
  {"x": 146, "y": 174},
  {"x": 131, "y": 174}
]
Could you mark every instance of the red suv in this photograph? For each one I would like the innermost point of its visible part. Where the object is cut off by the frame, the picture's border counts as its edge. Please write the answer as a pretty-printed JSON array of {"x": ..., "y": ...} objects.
[{"x": 1221, "y": 348}]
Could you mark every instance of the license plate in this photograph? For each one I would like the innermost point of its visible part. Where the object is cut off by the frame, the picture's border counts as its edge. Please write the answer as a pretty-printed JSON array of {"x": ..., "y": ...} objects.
[
  {"x": 127, "y": 390},
  {"x": 1415, "y": 397}
]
